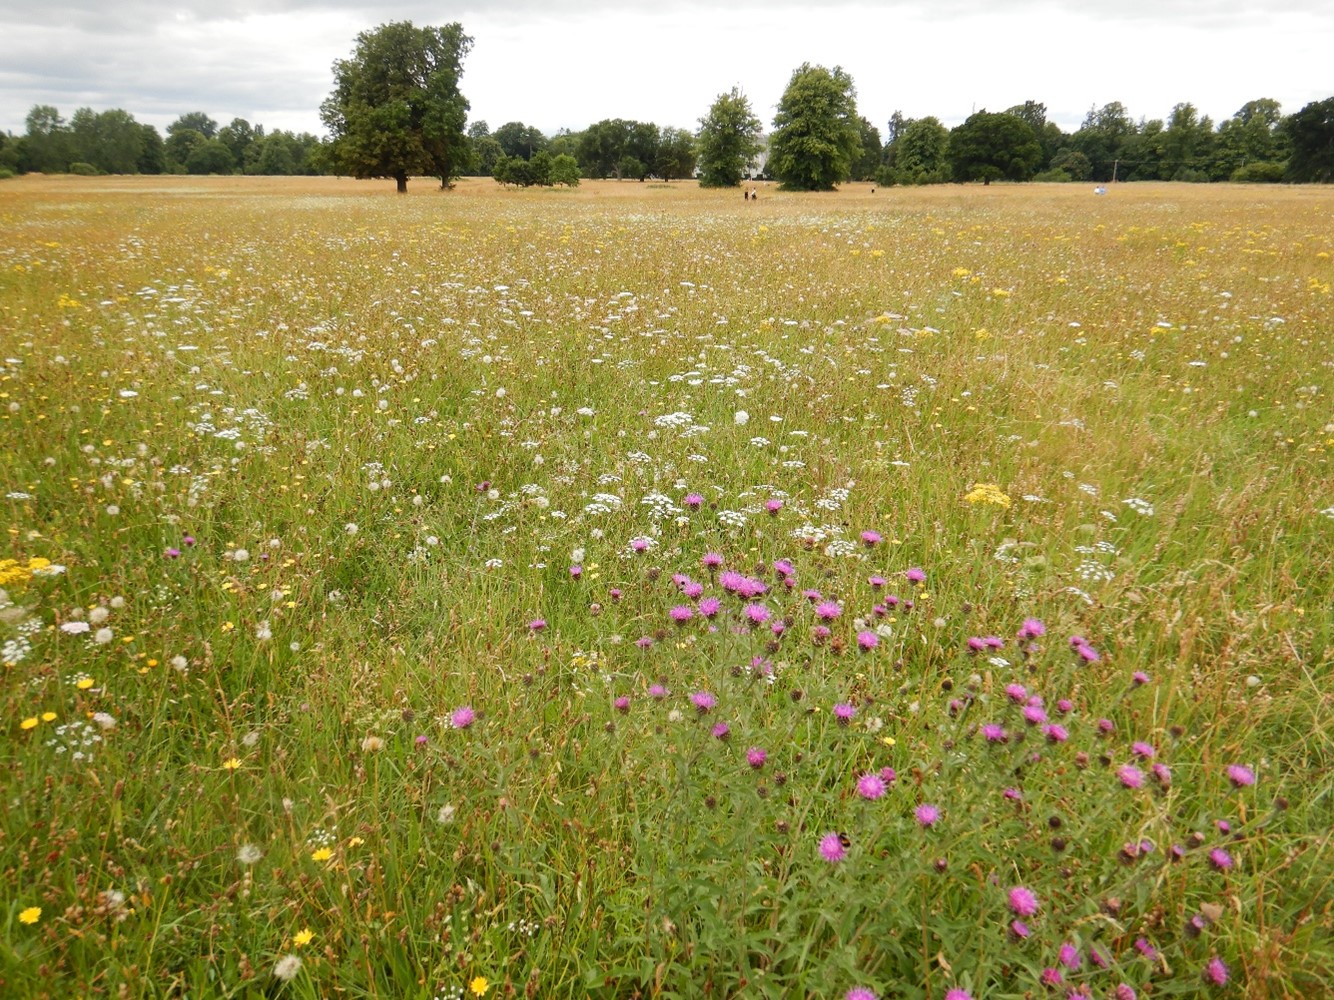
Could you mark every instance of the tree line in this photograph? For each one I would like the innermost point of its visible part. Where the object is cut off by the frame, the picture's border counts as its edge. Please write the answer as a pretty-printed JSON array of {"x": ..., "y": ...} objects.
[
  {"x": 397, "y": 111},
  {"x": 113, "y": 142}
]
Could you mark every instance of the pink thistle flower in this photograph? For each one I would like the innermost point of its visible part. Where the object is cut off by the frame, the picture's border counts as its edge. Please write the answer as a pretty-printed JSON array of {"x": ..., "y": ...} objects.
[
  {"x": 657, "y": 692},
  {"x": 1106, "y": 726},
  {"x": 758, "y": 614},
  {"x": 1215, "y": 972},
  {"x": 188, "y": 540},
  {"x": 859, "y": 993},
  {"x": 916, "y": 575},
  {"x": 614, "y": 593},
  {"x": 867, "y": 641},
  {"x": 1162, "y": 774},
  {"x": 693, "y": 500},
  {"x": 1016, "y": 692},
  {"x": 691, "y": 589},
  {"x": 1145, "y": 948},
  {"x": 888, "y": 775},
  {"x": 537, "y": 625},
  {"x": 703, "y": 701},
  {"x": 871, "y": 786},
  {"x": 994, "y": 642},
  {"x": 756, "y": 757},
  {"x": 827, "y": 611},
  {"x": 832, "y": 849},
  {"x": 1140, "y": 749},
  {"x": 721, "y": 731},
  {"x": 958, "y": 994},
  {"x": 1056, "y": 734},
  {"x": 927, "y": 815},
  {"x": 821, "y": 632},
  {"x": 644, "y": 641},
  {"x": 1013, "y": 795},
  {"x": 1220, "y": 859},
  {"x": 1124, "y": 991},
  {"x": 1139, "y": 678},
  {"x": 172, "y": 553},
  {"x": 1087, "y": 653},
  {"x": 682, "y": 613},
  {"x": 1052, "y": 977},
  {"x": 1240, "y": 776},
  {"x": 463, "y": 717},
  {"x": 773, "y": 506},
  {"x": 783, "y": 568},
  {"x": 1131, "y": 776},
  {"x": 640, "y": 544},
  {"x": 844, "y": 713},
  {"x": 1034, "y": 715},
  {"x": 994, "y": 733},
  {"x": 711, "y": 560},
  {"x": 1065, "y": 706},
  {"x": 1032, "y": 629},
  {"x": 710, "y": 606},
  {"x": 976, "y": 644},
  {"x": 1023, "y": 901},
  {"x": 1069, "y": 957},
  {"x": 870, "y": 538},
  {"x": 576, "y": 572},
  {"x": 814, "y": 596},
  {"x": 622, "y": 704},
  {"x": 1019, "y": 929}
]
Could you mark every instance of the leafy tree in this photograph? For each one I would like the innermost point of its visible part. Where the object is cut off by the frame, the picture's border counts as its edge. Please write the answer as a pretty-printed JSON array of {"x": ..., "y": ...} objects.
[
  {"x": 604, "y": 146},
  {"x": 1311, "y": 132},
  {"x": 178, "y": 147},
  {"x": 728, "y": 140},
  {"x": 396, "y": 108},
  {"x": 676, "y": 154},
  {"x": 641, "y": 143},
  {"x": 278, "y": 155},
  {"x": 919, "y": 154},
  {"x": 238, "y": 136},
  {"x": 518, "y": 139},
  {"x": 990, "y": 147},
  {"x": 632, "y": 167},
  {"x": 1101, "y": 137},
  {"x": 486, "y": 152},
  {"x": 540, "y": 167},
  {"x": 46, "y": 147},
  {"x": 1187, "y": 143},
  {"x": 196, "y": 120},
  {"x": 514, "y": 170},
  {"x": 1253, "y": 135},
  {"x": 564, "y": 142},
  {"x": 817, "y": 133},
  {"x": 478, "y": 129},
  {"x": 868, "y": 163},
  {"x": 565, "y": 170},
  {"x": 211, "y": 156},
  {"x": 152, "y": 151},
  {"x": 1074, "y": 164}
]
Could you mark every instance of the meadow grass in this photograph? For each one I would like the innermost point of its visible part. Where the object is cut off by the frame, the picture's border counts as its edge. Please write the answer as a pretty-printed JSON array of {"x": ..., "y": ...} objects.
[{"x": 639, "y": 592}]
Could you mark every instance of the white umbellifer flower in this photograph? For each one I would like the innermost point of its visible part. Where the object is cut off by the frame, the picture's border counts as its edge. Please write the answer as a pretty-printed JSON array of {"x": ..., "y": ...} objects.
[
  {"x": 75, "y": 628},
  {"x": 741, "y": 417}
]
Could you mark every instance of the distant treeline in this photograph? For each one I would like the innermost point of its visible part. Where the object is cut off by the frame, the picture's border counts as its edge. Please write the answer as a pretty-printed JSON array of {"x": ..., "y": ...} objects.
[
  {"x": 112, "y": 142},
  {"x": 1257, "y": 144}
]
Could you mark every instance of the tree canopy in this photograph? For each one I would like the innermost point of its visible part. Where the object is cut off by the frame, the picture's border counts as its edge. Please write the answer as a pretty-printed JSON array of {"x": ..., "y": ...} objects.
[
  {"x": 817, "y": 133},
  {"x": 396, "y": 109},
  {"x": 990, "y": 147},
  {"x": 728, "y": 140}
]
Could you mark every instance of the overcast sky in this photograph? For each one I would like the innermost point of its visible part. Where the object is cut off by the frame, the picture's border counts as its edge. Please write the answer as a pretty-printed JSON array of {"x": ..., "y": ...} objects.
[{"x": 562, "y": 63}]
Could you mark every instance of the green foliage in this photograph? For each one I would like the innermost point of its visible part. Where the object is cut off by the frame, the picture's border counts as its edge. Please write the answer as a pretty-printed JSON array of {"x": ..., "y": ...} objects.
[
  {"x": 990, "y": 147},
  {"x": 1311, "y": 134},
  {"x": 817, "y": 131},
  {"x": 1259, "y": 173},
  {"x": 865, "y": 166},
  {"x": 194, "y": 121},
  {"x": 180, "y": 144},
  {"x": 210, "y": 157},
  {"x": 1074, "y": 164},
  {"x": 918, "y": 154},
  {"x": 728, "y": 140},
  {"x": 632, "y": 168},
  {"x": 1102, "y": 137},
  {"x": 83, "y": 169},
  {"x": 396, "y": 108},
  {"x": 565, "y": 170},
  {"x": 676, "y": 154},
  {"x": 518, "y": 139},
  {"x": 6, "y": 173}
]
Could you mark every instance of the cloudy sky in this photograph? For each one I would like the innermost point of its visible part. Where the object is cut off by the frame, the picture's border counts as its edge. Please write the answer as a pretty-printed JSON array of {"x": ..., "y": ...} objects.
[{"x": 564, "y": 63}]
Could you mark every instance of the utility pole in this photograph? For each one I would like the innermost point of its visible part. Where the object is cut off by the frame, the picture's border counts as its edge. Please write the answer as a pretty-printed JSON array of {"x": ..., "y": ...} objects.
[{"x": 1115, "y": 164}]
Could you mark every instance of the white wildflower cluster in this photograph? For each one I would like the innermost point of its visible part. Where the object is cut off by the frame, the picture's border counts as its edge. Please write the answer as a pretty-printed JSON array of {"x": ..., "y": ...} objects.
[
  {"x": 660, "y": 506},
  {"x": 1142, "y": 507},
  {"x": 677, "y": 419}
]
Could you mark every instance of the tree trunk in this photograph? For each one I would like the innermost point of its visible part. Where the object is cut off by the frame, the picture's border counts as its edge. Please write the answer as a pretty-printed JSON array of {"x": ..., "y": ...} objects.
[{"x": 402, "y": 180}]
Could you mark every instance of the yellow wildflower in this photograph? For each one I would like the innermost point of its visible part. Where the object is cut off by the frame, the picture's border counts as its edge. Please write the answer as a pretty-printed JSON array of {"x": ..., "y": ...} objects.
[
  {"x": 303, "y": 937},
  {"x": 29, "y": 723},
  {"x": 231, "y": 763},
  {"x": 323, "y": 854},
  {"x": 31, "y": 915},
  {"x": 987, "y": 493},
  {"x": 479, "y": 986}
]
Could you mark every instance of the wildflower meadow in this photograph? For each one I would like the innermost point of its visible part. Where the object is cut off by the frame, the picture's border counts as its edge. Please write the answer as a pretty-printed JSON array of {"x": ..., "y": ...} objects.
[{"x": 635, "y": 591}]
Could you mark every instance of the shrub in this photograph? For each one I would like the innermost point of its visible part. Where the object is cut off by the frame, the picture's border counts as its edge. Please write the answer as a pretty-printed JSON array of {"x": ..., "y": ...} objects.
[
  {"x": 1259, "y": 173},
  {"x": 84, "y": 169}
]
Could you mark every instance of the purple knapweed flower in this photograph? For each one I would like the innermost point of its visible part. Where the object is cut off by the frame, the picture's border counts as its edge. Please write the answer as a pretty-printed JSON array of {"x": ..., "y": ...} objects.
[
  {"x": 1023, "y": 901},
  {"x": 682, "y": 613},
  {"x": 1051, "y": 977},
  {"x": 1240, "y": 776},
  {"x": 827, "y": 611},
  {"x": 622, "y": 704},
  {"x": 692, "y": 589},
  {"x": 870, "y": 538},
  {"x": 958, "y": 994},
  {"x": 172, "y": 553},
  {"x": 1065, "y": 706},
  {"x": 1088, "y": 654},
  {"x": 1220, "y": 859},
  {"x": 1124, "y": 991},
  {"x": 657, "y": 692},
  {"x": 773, "y": 506},
  {"x": 976, "y": 644},
  {"x": 1141, "y": 749},
  {"x": 844, "y": 712},
  {"x": 1069, "y": 956},
  {"x": 1215, "y": 972},
  {"x": 994, "y": 733},
  {"x": 1162, "y": 774},
  {"x": 888, "y": 775},
  {"x": 832, "y": 849},
  {"x": 537, "y": 625},
  {"x": 1145, "y": 948},
  {"x": 1131, "y": 776},
  {"x": 1056, "y": 734},
  {"x": 915, "y": 575},
  {"x": 927, "y": 815},
  {"x": 1032, "y": 628},
  {"x": 710, "y": 606},
  {"x": 871, "y": 786},
  {"x": 1019, "y": 929},
  {"x": 867, "y": 640},
  {"x": 693, "y": 500},
  {"x": 1139, "y": 678},
  {"x": 756, "y": 757},
  {"x": 576, "y": 572},
  {"x": 711, "y": 560},
  {"x": 703, "y": 701},
  {"x": 1016, "y": 692},
  {"x": 721, "y": 731},
  {"x": 859, "y": 993},
  {"x": 188, "y": 540},
  {"x": 1034, "y": 715},
  {"x": 462, "y": 717}
]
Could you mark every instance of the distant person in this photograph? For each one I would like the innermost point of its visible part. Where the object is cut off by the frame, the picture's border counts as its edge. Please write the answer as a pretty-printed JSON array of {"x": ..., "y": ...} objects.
[
  {"x": 754, "y": 194},
  {"x": 746, "y": 194}
]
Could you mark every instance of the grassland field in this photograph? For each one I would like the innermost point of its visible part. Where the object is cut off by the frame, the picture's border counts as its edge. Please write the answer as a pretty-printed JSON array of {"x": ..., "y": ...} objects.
[{"x": 635, "y": 591}]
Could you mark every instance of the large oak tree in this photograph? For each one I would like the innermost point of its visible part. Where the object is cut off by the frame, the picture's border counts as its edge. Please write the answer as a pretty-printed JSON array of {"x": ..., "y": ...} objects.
[{"x": 396, "y": 109}]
